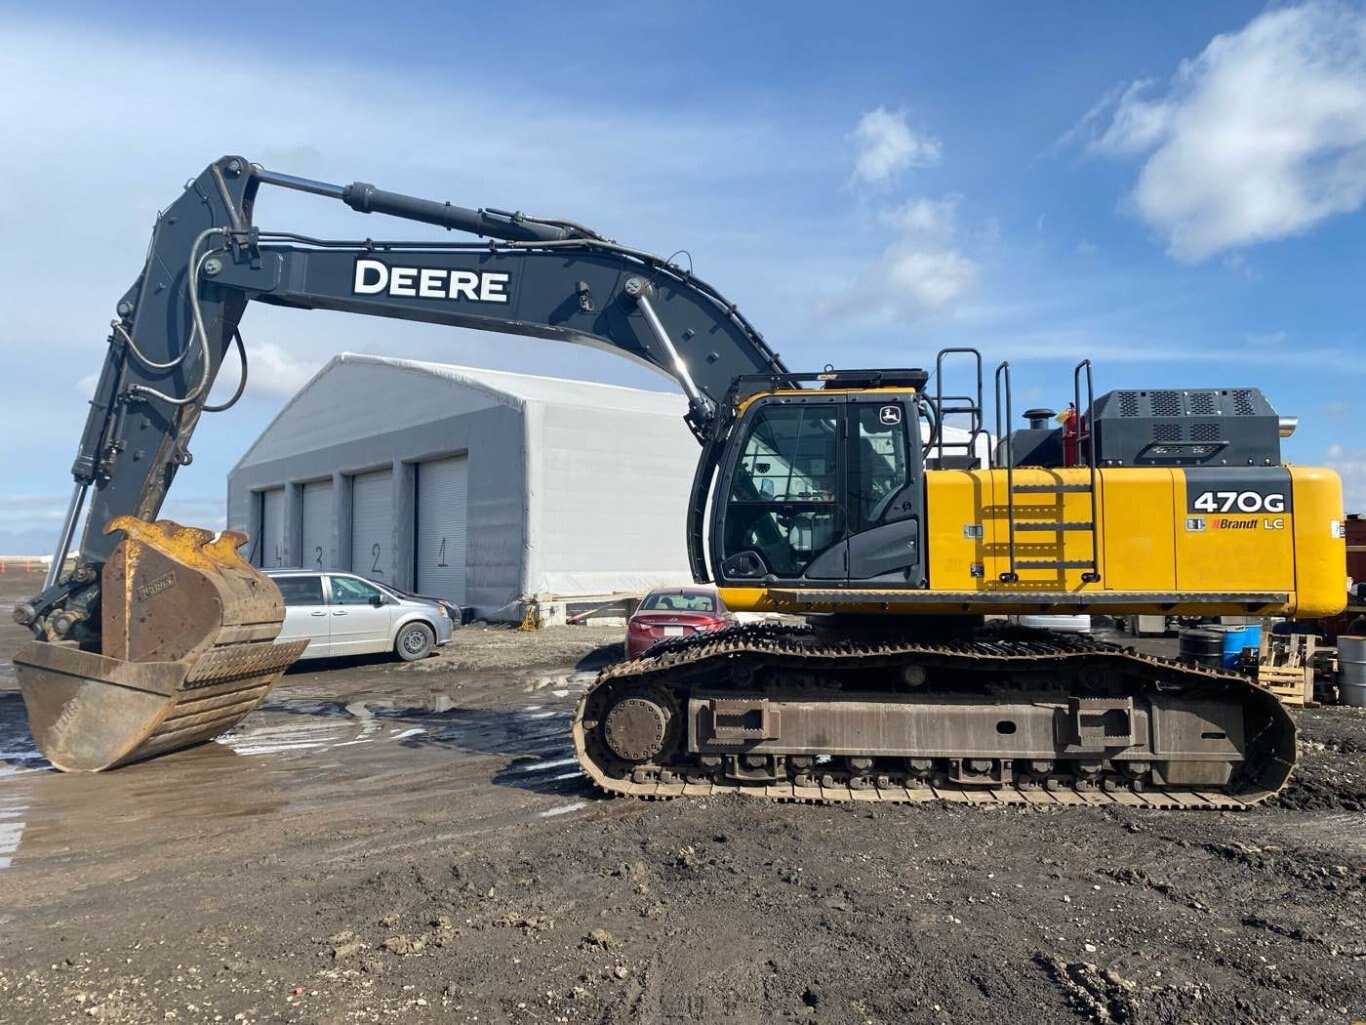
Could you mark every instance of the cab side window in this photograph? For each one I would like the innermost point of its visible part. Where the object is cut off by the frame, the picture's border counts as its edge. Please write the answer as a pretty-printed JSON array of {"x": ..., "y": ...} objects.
[
  {"x": 880, "y": 464},
  {"x": 350, "y": 591},
  {"x": 301, "y": 590}
]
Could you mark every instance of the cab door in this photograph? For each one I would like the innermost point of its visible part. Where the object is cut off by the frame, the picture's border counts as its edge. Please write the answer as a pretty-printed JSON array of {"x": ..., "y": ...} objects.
[
  {"x": 783, "y": 516},
  {"x": 885, "y": 492}
]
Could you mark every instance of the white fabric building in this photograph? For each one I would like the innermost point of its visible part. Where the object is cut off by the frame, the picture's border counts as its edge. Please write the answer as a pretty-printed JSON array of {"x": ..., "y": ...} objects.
[{"x": 481, "y": 486}]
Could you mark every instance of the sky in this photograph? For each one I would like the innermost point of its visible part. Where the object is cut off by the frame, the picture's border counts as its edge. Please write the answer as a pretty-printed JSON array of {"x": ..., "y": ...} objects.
[{"x": 1174, "y": 191}]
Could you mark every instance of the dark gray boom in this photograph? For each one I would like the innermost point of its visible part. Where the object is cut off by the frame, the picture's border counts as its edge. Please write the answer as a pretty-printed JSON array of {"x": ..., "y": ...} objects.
[{"x": 526, "y": 275}]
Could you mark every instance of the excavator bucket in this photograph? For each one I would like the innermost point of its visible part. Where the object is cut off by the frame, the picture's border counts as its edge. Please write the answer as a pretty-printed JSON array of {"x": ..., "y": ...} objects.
[{"x": 188, "y": 632}]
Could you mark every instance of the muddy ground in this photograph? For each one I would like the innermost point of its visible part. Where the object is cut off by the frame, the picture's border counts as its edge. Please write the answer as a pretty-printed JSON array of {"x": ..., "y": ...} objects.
[{"x": 386, "y": 843}]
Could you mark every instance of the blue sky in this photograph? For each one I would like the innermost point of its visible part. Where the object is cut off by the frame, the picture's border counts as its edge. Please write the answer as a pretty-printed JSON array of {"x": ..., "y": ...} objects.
[{"x": 1173, "y": 190}]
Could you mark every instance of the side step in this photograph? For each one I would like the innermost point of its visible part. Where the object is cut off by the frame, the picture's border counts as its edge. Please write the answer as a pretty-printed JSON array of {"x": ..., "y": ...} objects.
[
  {"x": 1058, "y": 564},
  {"x": 1045, "y": 525}
]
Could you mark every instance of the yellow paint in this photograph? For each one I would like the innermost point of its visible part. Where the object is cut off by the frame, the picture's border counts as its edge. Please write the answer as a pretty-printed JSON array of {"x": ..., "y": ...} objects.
[
  {"x": 1139, "y": 543},
  {"x": 954, "y": 503},
  {"x": 1146, "y": 548},
  {"x": 192, "y": 546},
  {"x": 1234, "y": 551},
  {"x": 1320, "y": 543}
]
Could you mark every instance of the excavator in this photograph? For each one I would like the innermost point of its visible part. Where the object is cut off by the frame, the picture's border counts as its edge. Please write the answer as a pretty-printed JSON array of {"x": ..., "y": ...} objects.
[{"x": 897, "y": 550}]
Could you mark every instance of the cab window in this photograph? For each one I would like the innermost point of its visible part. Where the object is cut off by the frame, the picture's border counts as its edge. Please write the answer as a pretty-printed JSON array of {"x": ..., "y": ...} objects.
[
  {"x": 880, "y": 468},
  {"x": 300, "y": 590},
  {"x": 350, "y": 591},
  {"x": 782, "y": 501}
]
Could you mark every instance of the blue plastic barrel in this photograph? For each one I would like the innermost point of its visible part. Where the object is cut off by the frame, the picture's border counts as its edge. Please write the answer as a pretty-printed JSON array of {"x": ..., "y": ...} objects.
[{"x": 1235, "y": 640}]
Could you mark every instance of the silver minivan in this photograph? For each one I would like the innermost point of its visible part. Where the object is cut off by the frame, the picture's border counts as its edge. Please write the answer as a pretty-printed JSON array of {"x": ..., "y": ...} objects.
[{"x": 343, "y": 614}]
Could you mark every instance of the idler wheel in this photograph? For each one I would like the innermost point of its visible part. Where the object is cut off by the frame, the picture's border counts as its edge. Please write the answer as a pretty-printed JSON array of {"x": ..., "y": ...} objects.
[{"x": 638, "y": 728}]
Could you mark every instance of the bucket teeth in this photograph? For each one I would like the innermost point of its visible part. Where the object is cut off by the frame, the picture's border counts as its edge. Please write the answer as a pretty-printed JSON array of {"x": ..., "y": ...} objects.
[
  {"x": 195, "y": 546},
  {"x": 188, "y": 630},
  {"x": 224, "y": 549}
]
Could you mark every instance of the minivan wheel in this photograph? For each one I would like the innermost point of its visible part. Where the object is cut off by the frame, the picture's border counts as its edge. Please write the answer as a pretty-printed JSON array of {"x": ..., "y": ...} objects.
[{"x": 414, "y": 641}]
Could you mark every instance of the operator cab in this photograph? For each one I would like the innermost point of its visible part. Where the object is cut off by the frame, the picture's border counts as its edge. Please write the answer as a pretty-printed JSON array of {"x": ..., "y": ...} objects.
[{"x": 825, "y": 484}]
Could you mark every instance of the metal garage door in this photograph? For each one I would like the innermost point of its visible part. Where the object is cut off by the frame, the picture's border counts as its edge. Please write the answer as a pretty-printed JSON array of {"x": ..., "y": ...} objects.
[
  {"x": 372, "y": 524},
  {"x": 319, "y": 551},
  {"x": 271, "y": 550},
  {"x": 442, "y": 485}
]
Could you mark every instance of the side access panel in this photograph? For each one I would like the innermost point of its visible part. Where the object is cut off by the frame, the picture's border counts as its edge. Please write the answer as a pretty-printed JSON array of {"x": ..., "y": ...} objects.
[{"x": 1235, "y": 530}]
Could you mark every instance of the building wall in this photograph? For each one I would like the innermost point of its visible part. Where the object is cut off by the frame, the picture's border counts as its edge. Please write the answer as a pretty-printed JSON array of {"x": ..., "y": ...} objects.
[
  {"x": 609, "y": 499},
  {"x": 493, "y": 438}
]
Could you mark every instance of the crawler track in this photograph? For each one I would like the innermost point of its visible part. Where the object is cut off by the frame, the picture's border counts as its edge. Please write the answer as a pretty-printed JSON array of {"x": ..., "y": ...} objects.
[{"x": 754, "y": 666}]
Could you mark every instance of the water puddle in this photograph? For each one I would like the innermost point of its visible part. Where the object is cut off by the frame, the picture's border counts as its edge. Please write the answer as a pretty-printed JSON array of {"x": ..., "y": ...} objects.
[
  {"x": 12, "y": 823},
  {"x": 562, "y": 809},
  {"x": 544, "y": 766},
  {"x": 303, "y": 753}
]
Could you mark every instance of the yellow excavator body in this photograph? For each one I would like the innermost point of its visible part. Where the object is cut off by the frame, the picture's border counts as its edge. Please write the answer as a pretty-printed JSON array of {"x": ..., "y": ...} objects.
[{"x": 1154, "y": 556}]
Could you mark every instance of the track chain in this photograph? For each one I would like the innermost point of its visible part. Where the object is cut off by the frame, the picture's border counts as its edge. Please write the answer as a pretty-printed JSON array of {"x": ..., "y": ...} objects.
[{"x": 995, "y": 648}]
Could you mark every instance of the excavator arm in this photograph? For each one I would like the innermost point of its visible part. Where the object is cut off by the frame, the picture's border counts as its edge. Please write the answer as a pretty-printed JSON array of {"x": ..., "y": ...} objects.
[{"x": 123, "y": 602}]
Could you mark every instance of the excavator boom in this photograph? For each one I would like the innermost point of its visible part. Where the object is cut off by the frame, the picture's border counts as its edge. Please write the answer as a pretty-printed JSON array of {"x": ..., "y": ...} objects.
[{"x": 162, "y": 636}]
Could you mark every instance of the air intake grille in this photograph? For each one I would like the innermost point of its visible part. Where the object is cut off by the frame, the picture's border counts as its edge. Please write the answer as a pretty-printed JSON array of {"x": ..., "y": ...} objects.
[
  {"x": 1215, "y": 427},
  {"x": 1166, "y": 403}
]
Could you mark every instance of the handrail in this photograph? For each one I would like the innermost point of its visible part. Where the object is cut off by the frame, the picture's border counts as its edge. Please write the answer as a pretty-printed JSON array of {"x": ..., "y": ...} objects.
[
  {"x": 1085, "y": 433},
  {"x": 974, "y": 411},
  {"x": 1003, "y": 376}
]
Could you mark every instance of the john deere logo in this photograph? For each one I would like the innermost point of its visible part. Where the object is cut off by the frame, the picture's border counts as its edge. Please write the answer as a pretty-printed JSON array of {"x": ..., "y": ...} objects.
[{"x": 889, "y": 414}]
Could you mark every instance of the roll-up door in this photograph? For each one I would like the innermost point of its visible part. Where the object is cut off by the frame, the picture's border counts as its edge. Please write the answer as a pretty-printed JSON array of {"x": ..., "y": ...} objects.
[
  {"x": 442, "y": 485},
  {"x": 319, "y": 551},
  {"x": 372, "y": 524},
  {"x": 271, "y": 550}
]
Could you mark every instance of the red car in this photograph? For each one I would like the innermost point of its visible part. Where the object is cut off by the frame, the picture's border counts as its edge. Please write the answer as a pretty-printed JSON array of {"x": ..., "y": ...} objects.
[{"x": 675, "y": 612}]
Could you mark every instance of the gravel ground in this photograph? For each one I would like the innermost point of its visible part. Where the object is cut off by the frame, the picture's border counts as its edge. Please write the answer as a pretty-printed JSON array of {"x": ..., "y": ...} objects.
[{"x": 383, "y": 842}]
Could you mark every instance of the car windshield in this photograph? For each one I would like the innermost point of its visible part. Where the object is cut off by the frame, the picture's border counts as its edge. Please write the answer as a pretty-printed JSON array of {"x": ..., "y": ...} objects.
[{"x": 678, "y": 601}]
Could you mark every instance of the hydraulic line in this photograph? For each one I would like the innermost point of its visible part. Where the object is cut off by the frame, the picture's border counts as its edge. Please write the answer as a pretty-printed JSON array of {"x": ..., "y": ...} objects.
[
  {"x": 198, "y": 333},
  {"x": 241, "y": 380}
]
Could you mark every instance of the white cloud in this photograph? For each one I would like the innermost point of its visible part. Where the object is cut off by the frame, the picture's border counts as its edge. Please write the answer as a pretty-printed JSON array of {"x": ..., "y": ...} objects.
[
  {"x": 1350, "y": 463},
  {"x": 887, "y": 146},
  {"x": 922, "y": 280},
  {"x": 923, "y": 216},
  {"x": 920, "y": 272},
  {"x": 273, "y": 370},
  {"x": 913, "y": 278},
  {"x": 1259, "y": 137}
]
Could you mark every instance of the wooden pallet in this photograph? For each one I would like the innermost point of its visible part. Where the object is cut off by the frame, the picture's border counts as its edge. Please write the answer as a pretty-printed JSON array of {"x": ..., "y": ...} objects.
[{"x": 1285, "y": 666}]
